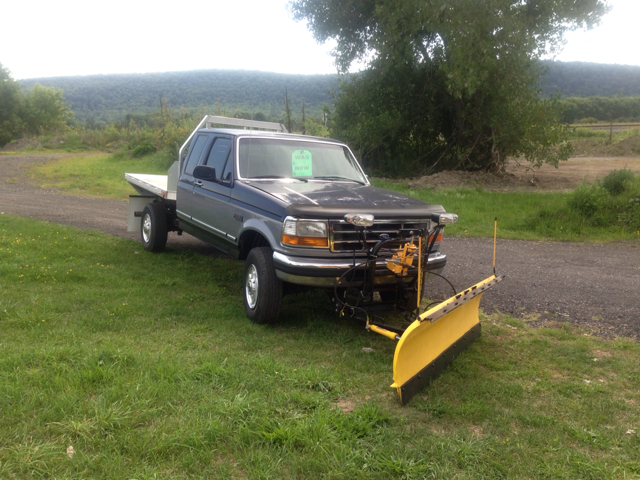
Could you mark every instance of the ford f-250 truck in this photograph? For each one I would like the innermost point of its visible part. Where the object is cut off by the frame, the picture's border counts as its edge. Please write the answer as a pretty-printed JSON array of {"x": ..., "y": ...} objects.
[
  {"x": 287, "y": 205},
  {"x": 302, "y": 214},
  {"x": 279, "y": 201}
]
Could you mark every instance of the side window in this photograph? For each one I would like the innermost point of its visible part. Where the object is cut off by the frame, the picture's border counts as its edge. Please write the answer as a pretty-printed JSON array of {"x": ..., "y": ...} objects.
[
  {"x": 196, "y": 151},
  {"x": 218, "y": 157},
  {"x": 226, "y": 173}
]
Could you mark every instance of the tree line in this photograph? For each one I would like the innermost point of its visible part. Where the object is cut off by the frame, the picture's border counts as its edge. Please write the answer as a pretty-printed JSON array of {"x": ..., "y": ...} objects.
[
  {"x": 600, "y": 109},
  {"x": 100, "y": 99},
  {"x": 108, "y": 98},
  {"x": 38, "y": 111}
]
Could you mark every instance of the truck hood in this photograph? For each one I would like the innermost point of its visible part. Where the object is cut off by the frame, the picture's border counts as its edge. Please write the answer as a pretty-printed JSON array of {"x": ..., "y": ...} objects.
[{"x": 334, "y": 199}]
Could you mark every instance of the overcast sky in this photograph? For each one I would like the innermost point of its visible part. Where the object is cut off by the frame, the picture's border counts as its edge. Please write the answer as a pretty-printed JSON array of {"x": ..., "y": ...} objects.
[{"x": 72, "y": 37}]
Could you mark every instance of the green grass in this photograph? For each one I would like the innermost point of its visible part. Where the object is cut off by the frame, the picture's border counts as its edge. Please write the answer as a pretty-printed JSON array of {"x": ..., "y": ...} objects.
[
  {"x": 521, "y": 215},
  {"x": 97, "y": 175},
  {"x": 580, "y": 133},
  {"x": 147, "y": 367}
]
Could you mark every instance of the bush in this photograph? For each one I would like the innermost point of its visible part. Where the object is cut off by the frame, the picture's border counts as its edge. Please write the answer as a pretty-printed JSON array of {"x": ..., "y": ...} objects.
[
  {"x": 142, "y": 143},
  {"x": 615, "y": 182},
  {"x": 588, "y": 120},
  {"x": 617, "y": 197},
  {"x": 629, "y": 204},
  {"x": 143, "y": 149},
  {"x": 589, "y": 199},
  {"x": 71, "y": 143},
  {"x": 631, "y": 216}
]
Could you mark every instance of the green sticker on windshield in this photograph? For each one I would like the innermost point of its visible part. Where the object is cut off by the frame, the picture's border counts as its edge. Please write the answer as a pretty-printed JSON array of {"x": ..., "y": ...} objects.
[{"x": 301, "y": 163}]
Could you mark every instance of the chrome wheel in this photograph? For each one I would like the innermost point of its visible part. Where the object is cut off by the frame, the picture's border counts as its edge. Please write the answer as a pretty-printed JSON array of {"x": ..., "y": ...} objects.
[
  {"x": 251, "y": 287},
  {"x": 262, "y": 288},
  {"x": 146, "y": 228}
]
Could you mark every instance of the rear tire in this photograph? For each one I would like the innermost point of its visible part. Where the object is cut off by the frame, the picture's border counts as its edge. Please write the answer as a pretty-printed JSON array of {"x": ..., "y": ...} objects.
[
  {"x": 153, "y": 227},
  {"x": 262, "y": 289}
]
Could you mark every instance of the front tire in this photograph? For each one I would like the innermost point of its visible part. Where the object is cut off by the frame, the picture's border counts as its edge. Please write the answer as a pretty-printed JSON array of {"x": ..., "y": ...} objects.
[
  {"x": 153, "y": 228},
  {"x": 262, "y": 289}
]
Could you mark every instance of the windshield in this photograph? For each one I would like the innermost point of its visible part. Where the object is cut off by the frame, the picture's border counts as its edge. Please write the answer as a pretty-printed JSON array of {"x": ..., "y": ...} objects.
[{"x": 282, "y": 158}]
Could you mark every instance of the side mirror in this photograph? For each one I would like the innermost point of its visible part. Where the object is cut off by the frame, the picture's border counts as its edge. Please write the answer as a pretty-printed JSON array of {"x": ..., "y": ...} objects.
[{"x": 205, "y": 172}]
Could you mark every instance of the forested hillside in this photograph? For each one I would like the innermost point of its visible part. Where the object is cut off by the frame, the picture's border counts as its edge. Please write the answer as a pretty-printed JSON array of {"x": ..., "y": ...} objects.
[
  {"x": 579, "y": 79},
  {"x": 110, "y": 97}
]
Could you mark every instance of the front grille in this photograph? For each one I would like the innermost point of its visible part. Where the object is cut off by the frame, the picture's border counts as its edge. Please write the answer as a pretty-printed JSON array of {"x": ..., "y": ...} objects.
[{"x": 344, "y": 237}]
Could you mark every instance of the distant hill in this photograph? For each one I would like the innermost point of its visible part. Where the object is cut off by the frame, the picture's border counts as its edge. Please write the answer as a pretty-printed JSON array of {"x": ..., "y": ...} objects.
[
  {"x": 580, "y": 79},
  {"x": 110, "y": 97}
]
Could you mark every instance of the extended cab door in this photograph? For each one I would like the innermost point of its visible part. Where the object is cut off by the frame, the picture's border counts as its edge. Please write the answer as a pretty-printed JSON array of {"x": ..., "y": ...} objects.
[
  {"x": 184, "y": 192},
  {"x": 211, "y": 209}
]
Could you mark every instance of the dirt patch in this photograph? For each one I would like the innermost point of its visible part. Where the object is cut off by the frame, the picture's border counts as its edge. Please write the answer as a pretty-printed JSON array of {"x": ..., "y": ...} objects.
[
  {"x": 346, "y": 405},
  {"x": 627, "y": 147},
  {"x": 21, "y": 145},
  {"x": 599, "y": 355},
  {"x": 520, "y": 177},
  {"x": 456, "y": 179}
]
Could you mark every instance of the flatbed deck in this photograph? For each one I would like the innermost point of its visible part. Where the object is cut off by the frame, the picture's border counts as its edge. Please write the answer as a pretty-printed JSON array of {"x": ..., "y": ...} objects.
[{"x": 155, "y": 184}]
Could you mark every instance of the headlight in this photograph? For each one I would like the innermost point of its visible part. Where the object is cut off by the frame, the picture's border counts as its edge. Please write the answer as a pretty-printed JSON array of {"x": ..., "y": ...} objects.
[
  {"x": 359, "y": 219},
  {"x": 305, "y": 233}
]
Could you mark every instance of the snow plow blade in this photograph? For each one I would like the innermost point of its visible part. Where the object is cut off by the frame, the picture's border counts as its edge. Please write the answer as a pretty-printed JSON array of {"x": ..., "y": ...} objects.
[{"x": 438, "y": 336}]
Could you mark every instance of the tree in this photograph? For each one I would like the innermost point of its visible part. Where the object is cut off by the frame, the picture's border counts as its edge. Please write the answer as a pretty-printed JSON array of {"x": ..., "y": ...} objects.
[
  {"x": 304, "y": 132},
  {"x": 10, "y": 107},
  {"x": 287, "y": 112},
  {"x": 447, "y": 83},
  {"x": 45, "y": 110}
]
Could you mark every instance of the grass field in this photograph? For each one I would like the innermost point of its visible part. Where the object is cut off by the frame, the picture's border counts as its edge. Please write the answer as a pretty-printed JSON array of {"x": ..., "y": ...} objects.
[
  {"x": 617, "y": 133},
  {"x": 97, "y": 175},
  {"x": 117, "y": 363},
  {"x": 521, "y": 215}
]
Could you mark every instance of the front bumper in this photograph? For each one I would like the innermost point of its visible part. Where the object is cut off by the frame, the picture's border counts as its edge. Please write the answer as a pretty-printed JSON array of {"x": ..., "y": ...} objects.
[{"x": 323, "y": 272}]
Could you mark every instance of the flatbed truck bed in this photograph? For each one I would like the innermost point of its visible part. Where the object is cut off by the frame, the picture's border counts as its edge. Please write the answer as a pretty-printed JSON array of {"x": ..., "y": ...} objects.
[{"x": 153, "y": 184}]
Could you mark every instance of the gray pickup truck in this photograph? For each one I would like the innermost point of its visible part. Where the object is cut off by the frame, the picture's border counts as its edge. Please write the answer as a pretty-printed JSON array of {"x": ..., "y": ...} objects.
[{"x": 299, "y": 211}]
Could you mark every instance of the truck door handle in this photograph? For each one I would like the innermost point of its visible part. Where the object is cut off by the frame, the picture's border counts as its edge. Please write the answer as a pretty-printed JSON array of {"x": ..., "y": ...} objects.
[{"x": 197, "y": 183}]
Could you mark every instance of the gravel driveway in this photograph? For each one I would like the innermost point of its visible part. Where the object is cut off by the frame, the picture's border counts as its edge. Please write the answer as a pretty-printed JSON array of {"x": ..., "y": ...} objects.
[{"x": 596, "y": 286}]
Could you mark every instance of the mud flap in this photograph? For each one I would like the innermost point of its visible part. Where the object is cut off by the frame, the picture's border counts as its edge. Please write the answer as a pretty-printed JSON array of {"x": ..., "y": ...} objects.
[{"x": 439, "y": 335}]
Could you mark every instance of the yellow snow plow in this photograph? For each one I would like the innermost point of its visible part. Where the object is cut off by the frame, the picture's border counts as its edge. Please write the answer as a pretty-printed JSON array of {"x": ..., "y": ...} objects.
[
  {"x": 432, "y": 341},
  {"x": 435, "y": 337}
]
